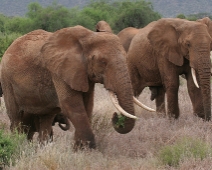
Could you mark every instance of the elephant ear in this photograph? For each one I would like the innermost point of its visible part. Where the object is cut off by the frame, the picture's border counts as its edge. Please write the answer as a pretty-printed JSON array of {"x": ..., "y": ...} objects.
[
  {"x": 164, "y": 38},
  {"x": 63, "y": 55}
]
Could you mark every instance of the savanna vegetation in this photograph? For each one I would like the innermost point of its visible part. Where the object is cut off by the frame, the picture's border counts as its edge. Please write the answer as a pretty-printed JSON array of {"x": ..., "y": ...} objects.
[{"x": 155, "y": 143}]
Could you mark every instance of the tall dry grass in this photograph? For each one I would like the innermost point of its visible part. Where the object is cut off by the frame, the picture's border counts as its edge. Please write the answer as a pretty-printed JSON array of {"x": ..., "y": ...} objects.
[{"x": 137, "y": 150}]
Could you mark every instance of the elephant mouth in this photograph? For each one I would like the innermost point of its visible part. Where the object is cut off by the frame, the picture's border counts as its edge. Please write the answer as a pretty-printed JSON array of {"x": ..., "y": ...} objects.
[{"x": 122, "y": 111}]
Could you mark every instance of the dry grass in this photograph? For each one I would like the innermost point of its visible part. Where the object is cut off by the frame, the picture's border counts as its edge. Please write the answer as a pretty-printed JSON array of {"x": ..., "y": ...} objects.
[{"x": 136, "y": 150}]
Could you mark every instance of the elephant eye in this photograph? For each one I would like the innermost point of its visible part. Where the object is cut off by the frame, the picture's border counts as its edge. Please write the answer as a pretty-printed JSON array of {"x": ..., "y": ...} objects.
[
  {"x": 103, "y": 61},
  {"x": 92, "y": 58},
  {"x": 188, "y": 44}
]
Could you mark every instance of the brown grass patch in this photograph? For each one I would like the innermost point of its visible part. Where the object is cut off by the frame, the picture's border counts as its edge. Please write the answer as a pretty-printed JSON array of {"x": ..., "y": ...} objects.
[{"x": 136, "y": 150}]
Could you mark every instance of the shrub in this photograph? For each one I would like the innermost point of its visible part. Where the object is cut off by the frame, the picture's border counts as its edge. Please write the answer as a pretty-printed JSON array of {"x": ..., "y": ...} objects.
[
  {"x": 182, "y": 149},
  {"x": 6, "y": 40},
  {"x": 9, "y": 147}
]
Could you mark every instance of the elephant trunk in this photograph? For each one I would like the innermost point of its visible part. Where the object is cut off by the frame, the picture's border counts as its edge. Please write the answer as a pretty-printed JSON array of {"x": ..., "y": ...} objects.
[
  {"x": 123, "y": 89},
  {"x": 204, "y": 79},
  {"x": 203, "y": 67}
]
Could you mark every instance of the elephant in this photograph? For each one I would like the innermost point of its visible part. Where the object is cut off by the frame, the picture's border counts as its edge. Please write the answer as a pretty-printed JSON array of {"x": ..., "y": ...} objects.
[
  {"x": 103, "y": 26},
  {"x": 126, "y": 35},
  {"x": 165, "y": 49},
  {"x": 45, "y": 74},
  {"x": 31, "y": 124}
]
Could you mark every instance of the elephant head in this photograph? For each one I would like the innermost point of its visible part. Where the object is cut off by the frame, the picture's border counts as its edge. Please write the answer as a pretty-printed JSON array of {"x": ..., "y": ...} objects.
[
  {"x": 80, "y": 58},
  {"x": 103, "y": 26},
  {"x": 180, "y": 39}
]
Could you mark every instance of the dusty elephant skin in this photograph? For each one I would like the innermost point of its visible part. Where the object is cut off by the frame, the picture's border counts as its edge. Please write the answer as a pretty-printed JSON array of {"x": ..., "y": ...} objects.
[
  {"x": 126, "y": 35},
  {"x": 46, "y": 74},
  {"x": 165, "y": 49}
]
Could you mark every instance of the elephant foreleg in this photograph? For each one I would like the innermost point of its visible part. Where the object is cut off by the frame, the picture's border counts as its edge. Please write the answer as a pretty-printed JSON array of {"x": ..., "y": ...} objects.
[
  {"x": 171, "y": 83},
  {"x": 72, "y": 104},
  {"x": 77, "y": 114},
  {"x": 88, "y": 98},
  {"x": 160, "y": 101},
  {"x": 172, "y": 102}
]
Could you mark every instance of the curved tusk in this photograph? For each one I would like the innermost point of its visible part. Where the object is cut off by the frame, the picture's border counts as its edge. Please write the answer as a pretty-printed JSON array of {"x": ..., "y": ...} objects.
[
  {"x": 211, "y": 71},
  {"x": 194, "y": 77},
  {"x": 118, "y": 107},
  {"x": 142, "y": 105}
]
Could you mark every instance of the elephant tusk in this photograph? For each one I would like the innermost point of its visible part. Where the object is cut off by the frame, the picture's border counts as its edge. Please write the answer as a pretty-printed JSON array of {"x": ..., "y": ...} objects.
[
  {"x": 142, "y": 105},
  {"x": 211, "y": 71},
  {"x": 118, "y": 107},
  {"x": 194, "y": 77}
]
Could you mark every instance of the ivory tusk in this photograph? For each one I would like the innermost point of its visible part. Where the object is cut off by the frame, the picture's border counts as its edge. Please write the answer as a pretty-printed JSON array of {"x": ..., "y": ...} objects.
[
  {"x": 211, "y": 71},
  {"x": 118, "y": 107},
  {"x": 142, "y": 105},
  {"x": 194, "y": 77}
]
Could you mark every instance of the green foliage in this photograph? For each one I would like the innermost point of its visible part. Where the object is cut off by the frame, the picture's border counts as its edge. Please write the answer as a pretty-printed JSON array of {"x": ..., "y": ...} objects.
[
  {"x": 134, "y": 14},
  {"x": 181, "y": 16},
  {"x": 9, "y": 147},
  {"x": 3, "y": 20},
  {"x": 6, "y": 40},
  {"x": 18, "y": 25},
  {"x": 89, "y": 16},
  {"x": 121, "y": 121},
  {"x": 183, "y": 149},
  {"x": 194, "y": 17},
  {"x": 51, "y": 18}
]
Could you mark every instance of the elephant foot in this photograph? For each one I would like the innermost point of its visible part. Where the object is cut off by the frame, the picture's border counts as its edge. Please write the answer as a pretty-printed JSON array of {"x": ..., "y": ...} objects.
[
  {"x": 161, "y": 110},
  {"x": 84, "y": 144},
  {"x": 161, "y": 114},
  {"x": 202, "y": 116}
]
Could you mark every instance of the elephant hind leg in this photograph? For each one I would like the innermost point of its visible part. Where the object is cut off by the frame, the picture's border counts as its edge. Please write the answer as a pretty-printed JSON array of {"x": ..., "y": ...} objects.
[{"x": 12, "y": 108}]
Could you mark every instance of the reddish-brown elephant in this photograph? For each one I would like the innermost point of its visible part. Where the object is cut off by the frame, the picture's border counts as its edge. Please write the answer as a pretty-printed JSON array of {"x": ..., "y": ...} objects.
[
  {"x": 165, "y": 49},
  {"x": 125, "y": 36},
  {"x": 44, "y": 74}
]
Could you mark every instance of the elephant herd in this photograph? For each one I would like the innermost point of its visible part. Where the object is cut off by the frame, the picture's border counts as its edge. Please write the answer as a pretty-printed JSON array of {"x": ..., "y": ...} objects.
[{"x": 50, "y": 77}]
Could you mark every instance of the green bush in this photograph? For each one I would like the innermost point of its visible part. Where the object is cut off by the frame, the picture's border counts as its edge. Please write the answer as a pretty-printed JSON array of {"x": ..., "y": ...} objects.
[
  {"x": 182, "y": 149},
  {"x": 6, "y": 40},
  {"x": 9, "y": 147}
]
